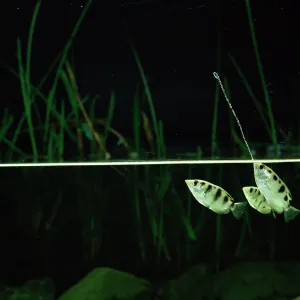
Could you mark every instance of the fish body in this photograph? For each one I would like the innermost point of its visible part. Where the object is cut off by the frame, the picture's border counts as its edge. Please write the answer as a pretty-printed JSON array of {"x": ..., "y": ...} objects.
[
  {"x": 257, "y": 201},
  {"x": 215, "y": 198},
  {"x": 275, "y": 191}
]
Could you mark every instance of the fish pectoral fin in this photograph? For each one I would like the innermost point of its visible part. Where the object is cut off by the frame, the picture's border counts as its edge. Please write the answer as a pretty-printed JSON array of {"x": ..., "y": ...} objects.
[
  {"x": 238, "y": 209},
  {"x": 290, "y": 213},
  {"x": 273, "y": 213}
]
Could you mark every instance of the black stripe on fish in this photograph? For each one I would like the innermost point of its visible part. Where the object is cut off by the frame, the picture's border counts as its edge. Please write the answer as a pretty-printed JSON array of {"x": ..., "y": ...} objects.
[
  {"x": 282, "y": 189},
  {"x": 209, "y": 187},
  {"x": 260, "y": 203},
  {"x": 217, "y": 194}
]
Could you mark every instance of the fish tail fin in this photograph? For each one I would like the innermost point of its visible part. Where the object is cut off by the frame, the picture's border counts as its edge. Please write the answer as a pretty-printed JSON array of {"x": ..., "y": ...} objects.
[
  {"x": 238, "y": 209},
  {"x": 290, "y": 213}
]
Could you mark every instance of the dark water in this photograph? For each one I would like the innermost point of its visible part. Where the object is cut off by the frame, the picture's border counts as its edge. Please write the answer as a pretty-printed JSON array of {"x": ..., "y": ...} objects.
[{"x": 60, "y": 223}]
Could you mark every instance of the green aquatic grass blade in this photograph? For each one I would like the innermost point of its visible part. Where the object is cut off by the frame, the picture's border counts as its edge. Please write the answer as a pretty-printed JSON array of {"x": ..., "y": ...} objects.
[
  {"x": 162, "y": 140},
  {"x": 111, "y": 108},
  {"x": 96, "y": 135},
  {"x": 92, "y": 115},
  {"x": 155, "y": 217},
  {"x": 27, "y": 115},
  {"x": 29, "y": 47},
  {"x": 71, "y": 94},
  {"x": 161, "y": 145},
  {"x": 72, "y": 98},
  {"x": 257, "y": 104},
  {"x": 149, "y": 202},
  {"x": 149, "y": 98},
  {"x": 164, "y": 186},
  {"x": 183, "y": 227},
  {"x": 139, "y": 222},
  {"x": 61, "y": 63},
  {"x": 14, "y": 148},
  {"x": 55, "y": 148},
  {"x": 21, "y": 121},
  {"x": 50, "y": 154},
  {"x": 262, "y": 76},
  {"x": 137, "y": 122},
  {"x": 75, "y": 98},
  {"x": 179, "y": 213},
  {"x": 50, "y": 70},
  {"x": 67, "y": 128},
  {"x": 27, "y": 88},
  {"x": 40, "y": 85},
  {"x": 189, "y": 228},
  {"x": 157, "y": 228},
  {"x": 25, "y": 79},
  {"x": 31, "y": 95},
  {"x": 37, "y": 92},
  {"x": 137, "y": 143},
  {"x": 26, "y": 101},
  {"x": 61, "y": 142},
  {"x": 7, "y": 122},
  {"x": 12, "y": 143},
  {"x": 160, "y": 228},
  {"x": 6, "y": 117}
]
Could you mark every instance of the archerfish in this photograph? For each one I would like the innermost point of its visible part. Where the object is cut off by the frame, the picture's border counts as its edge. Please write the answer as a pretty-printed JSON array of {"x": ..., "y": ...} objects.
[
  {"x": 257, "y": 200},
  {"x": 275, "y": 191},
  {"x": 215, "y": 198}
]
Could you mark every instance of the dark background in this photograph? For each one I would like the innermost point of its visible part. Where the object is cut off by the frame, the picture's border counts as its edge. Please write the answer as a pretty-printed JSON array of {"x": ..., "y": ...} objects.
[{"x": 177, "y": 44}]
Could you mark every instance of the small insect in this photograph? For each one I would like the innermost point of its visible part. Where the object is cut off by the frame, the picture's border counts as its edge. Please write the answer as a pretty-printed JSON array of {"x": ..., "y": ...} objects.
[
  {"x": 257, "y": 200},
  {"x": 215, "y": 198},
  {"x": 275, "y": 191}
]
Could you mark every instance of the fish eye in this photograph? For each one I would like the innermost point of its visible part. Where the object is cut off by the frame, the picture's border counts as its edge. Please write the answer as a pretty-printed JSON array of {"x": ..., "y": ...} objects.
[{"x": 195, "y": 182}]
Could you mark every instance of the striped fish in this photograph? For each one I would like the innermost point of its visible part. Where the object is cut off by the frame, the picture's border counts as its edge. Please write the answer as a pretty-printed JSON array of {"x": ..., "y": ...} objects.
[
  {"x": 215, "y": 198},
  {"x": 275, "y": 191},
  {"x": 257, "y": 200}
]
